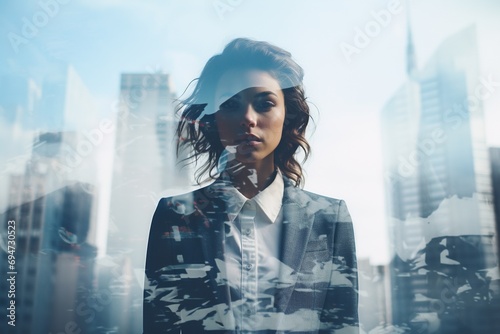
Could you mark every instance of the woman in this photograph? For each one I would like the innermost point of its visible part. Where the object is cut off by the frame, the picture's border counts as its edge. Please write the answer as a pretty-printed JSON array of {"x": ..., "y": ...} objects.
[{"x": 252, "y": 252}]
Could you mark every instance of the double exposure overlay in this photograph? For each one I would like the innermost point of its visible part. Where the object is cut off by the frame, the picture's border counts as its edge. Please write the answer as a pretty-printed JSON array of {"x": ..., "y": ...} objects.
[{"x": 336, "y": 171}]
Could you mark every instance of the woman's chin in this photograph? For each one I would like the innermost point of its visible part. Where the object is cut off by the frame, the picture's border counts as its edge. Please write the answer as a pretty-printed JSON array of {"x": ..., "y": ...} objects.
[{"x": 247, "y": 158}]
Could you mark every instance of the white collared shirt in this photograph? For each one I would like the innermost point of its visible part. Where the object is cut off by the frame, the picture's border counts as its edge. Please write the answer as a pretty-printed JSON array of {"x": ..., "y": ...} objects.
[{"x": 252, "y": 250}]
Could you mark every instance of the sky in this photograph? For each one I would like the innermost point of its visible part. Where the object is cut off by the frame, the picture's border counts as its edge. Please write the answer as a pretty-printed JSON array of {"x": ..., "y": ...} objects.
[{"x": 104, "y": 38}]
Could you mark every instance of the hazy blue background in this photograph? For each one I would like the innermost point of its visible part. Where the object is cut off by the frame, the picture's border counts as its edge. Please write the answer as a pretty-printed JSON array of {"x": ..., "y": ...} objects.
[{"x": 103, "y": 38}]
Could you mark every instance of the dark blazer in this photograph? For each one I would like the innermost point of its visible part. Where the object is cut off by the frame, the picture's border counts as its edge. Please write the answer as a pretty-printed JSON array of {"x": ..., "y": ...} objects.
[{"x": 185, "y": 290}]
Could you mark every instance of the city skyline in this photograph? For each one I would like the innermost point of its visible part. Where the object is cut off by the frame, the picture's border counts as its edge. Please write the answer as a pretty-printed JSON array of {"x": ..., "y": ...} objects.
[{"x": 382, "y": 58}]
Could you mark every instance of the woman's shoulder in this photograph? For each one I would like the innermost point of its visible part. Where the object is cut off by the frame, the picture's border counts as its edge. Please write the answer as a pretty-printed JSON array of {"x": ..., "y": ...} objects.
[
  {"x": 186, "y": 203},
  {"x": 303, "y": 195},
  {"x": 320, "y": 197},
  {"x": 316, "y": 202}
]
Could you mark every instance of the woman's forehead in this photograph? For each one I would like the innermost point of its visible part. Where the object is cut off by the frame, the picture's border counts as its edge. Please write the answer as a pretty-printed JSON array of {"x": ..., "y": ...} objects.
[{"x": 236, "y": 80}]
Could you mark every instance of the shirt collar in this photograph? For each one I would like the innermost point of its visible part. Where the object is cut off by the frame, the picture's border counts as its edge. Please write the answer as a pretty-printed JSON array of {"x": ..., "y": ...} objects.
[{"x": 268, "y": 200}]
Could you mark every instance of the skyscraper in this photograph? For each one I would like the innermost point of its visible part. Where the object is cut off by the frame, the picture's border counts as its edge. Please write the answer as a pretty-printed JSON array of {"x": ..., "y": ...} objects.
[
  {"x": 400, "y": 126},
  {"x": 55, "y": 101},
  {"x": 145, "y": 165},
  {"x": 145, "y": 169},
  {"x": 67, "y": 103},
  {"x": 495, "y": 180},
  {"x": 438, "y": 183},
  {"x": 51, "y": 194},
  {"x": 55, "y": 240},
  {"x": 436, "y": 159}
]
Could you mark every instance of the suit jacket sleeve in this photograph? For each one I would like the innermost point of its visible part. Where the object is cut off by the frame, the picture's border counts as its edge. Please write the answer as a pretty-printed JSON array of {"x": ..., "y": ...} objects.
[
  {"x": 158, "y": 293},
  {"x": 341, "y": 304}
]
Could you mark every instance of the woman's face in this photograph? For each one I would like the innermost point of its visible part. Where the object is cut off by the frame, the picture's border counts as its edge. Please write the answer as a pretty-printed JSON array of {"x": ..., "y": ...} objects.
[{"x": 250, "y": 116}]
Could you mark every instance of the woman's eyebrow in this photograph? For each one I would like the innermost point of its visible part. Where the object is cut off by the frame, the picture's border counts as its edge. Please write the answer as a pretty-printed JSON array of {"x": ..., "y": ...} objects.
[
  {"x": 227, "y": 96},
  {"x": 266, "y": 93}
]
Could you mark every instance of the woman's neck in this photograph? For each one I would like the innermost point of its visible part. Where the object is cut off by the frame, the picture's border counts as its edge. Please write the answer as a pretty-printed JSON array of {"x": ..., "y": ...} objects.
[{"x": 250, "y": 179}]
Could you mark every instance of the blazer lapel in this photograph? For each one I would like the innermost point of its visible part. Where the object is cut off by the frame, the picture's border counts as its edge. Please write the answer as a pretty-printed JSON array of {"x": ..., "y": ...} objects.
[{"x": 297, "y": 223}]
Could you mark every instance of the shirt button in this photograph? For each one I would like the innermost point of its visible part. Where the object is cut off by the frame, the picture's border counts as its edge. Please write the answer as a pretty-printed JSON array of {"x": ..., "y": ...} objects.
[
  {"x": 248, "y": 266},
  {"x": 247, "y": 232}
]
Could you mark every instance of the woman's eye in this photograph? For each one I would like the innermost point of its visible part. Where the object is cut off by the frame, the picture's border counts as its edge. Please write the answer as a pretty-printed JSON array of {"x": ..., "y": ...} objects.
[
  {"x": 229, "y": 105},
  {"x": 264, "y": 105}
]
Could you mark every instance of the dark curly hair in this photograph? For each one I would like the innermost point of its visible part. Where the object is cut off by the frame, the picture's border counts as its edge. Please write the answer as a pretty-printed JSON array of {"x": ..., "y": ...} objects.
[{"x": 197, "y": 128}]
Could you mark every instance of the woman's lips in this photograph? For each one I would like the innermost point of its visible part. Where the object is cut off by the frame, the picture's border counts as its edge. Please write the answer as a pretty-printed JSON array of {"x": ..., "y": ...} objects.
[
  {"x": 249, "y": 139},
  {"x": 249, "y": 142},
  {"x": 252, "y": 142}
]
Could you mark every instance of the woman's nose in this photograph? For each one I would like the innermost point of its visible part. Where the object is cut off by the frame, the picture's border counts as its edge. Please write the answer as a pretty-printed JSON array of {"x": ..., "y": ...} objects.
[{"x": 249, "y": 117}]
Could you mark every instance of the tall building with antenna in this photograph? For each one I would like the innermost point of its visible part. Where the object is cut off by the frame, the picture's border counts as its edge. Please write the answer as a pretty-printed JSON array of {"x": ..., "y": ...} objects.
[
  {"x": 400, "y": 128},
  {"x": 434, "y": 143},
  {"x": 438, "y": 185}
]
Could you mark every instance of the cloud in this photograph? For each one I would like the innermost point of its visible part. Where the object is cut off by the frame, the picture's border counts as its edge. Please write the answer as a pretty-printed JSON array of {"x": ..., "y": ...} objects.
[{"x": 454, "y": 217}]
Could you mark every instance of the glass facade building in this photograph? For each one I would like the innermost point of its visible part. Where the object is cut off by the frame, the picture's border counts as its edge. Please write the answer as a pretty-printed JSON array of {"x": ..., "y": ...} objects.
[{"x": 439, "y": 193}]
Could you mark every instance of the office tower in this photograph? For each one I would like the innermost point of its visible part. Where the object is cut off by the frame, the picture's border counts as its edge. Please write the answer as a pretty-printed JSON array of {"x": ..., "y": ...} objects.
[
  {"x": 400, "y": 126},
  {"x": 145, "y": 169},
  {"x": 495, "y": 181},
  {"x": 67, "y": 104},
  {"x": 55, "y": 240},
  {"x": 435, "y": 155},
  {"x": 435, "y": 147},
  {"x": 145, "y": 164},
  {"x": 20, "y": 99},
  {"x": 454, "y": 155},
  {"x": 438, "y": 187},
  {"x": 55, "y": 100}
]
